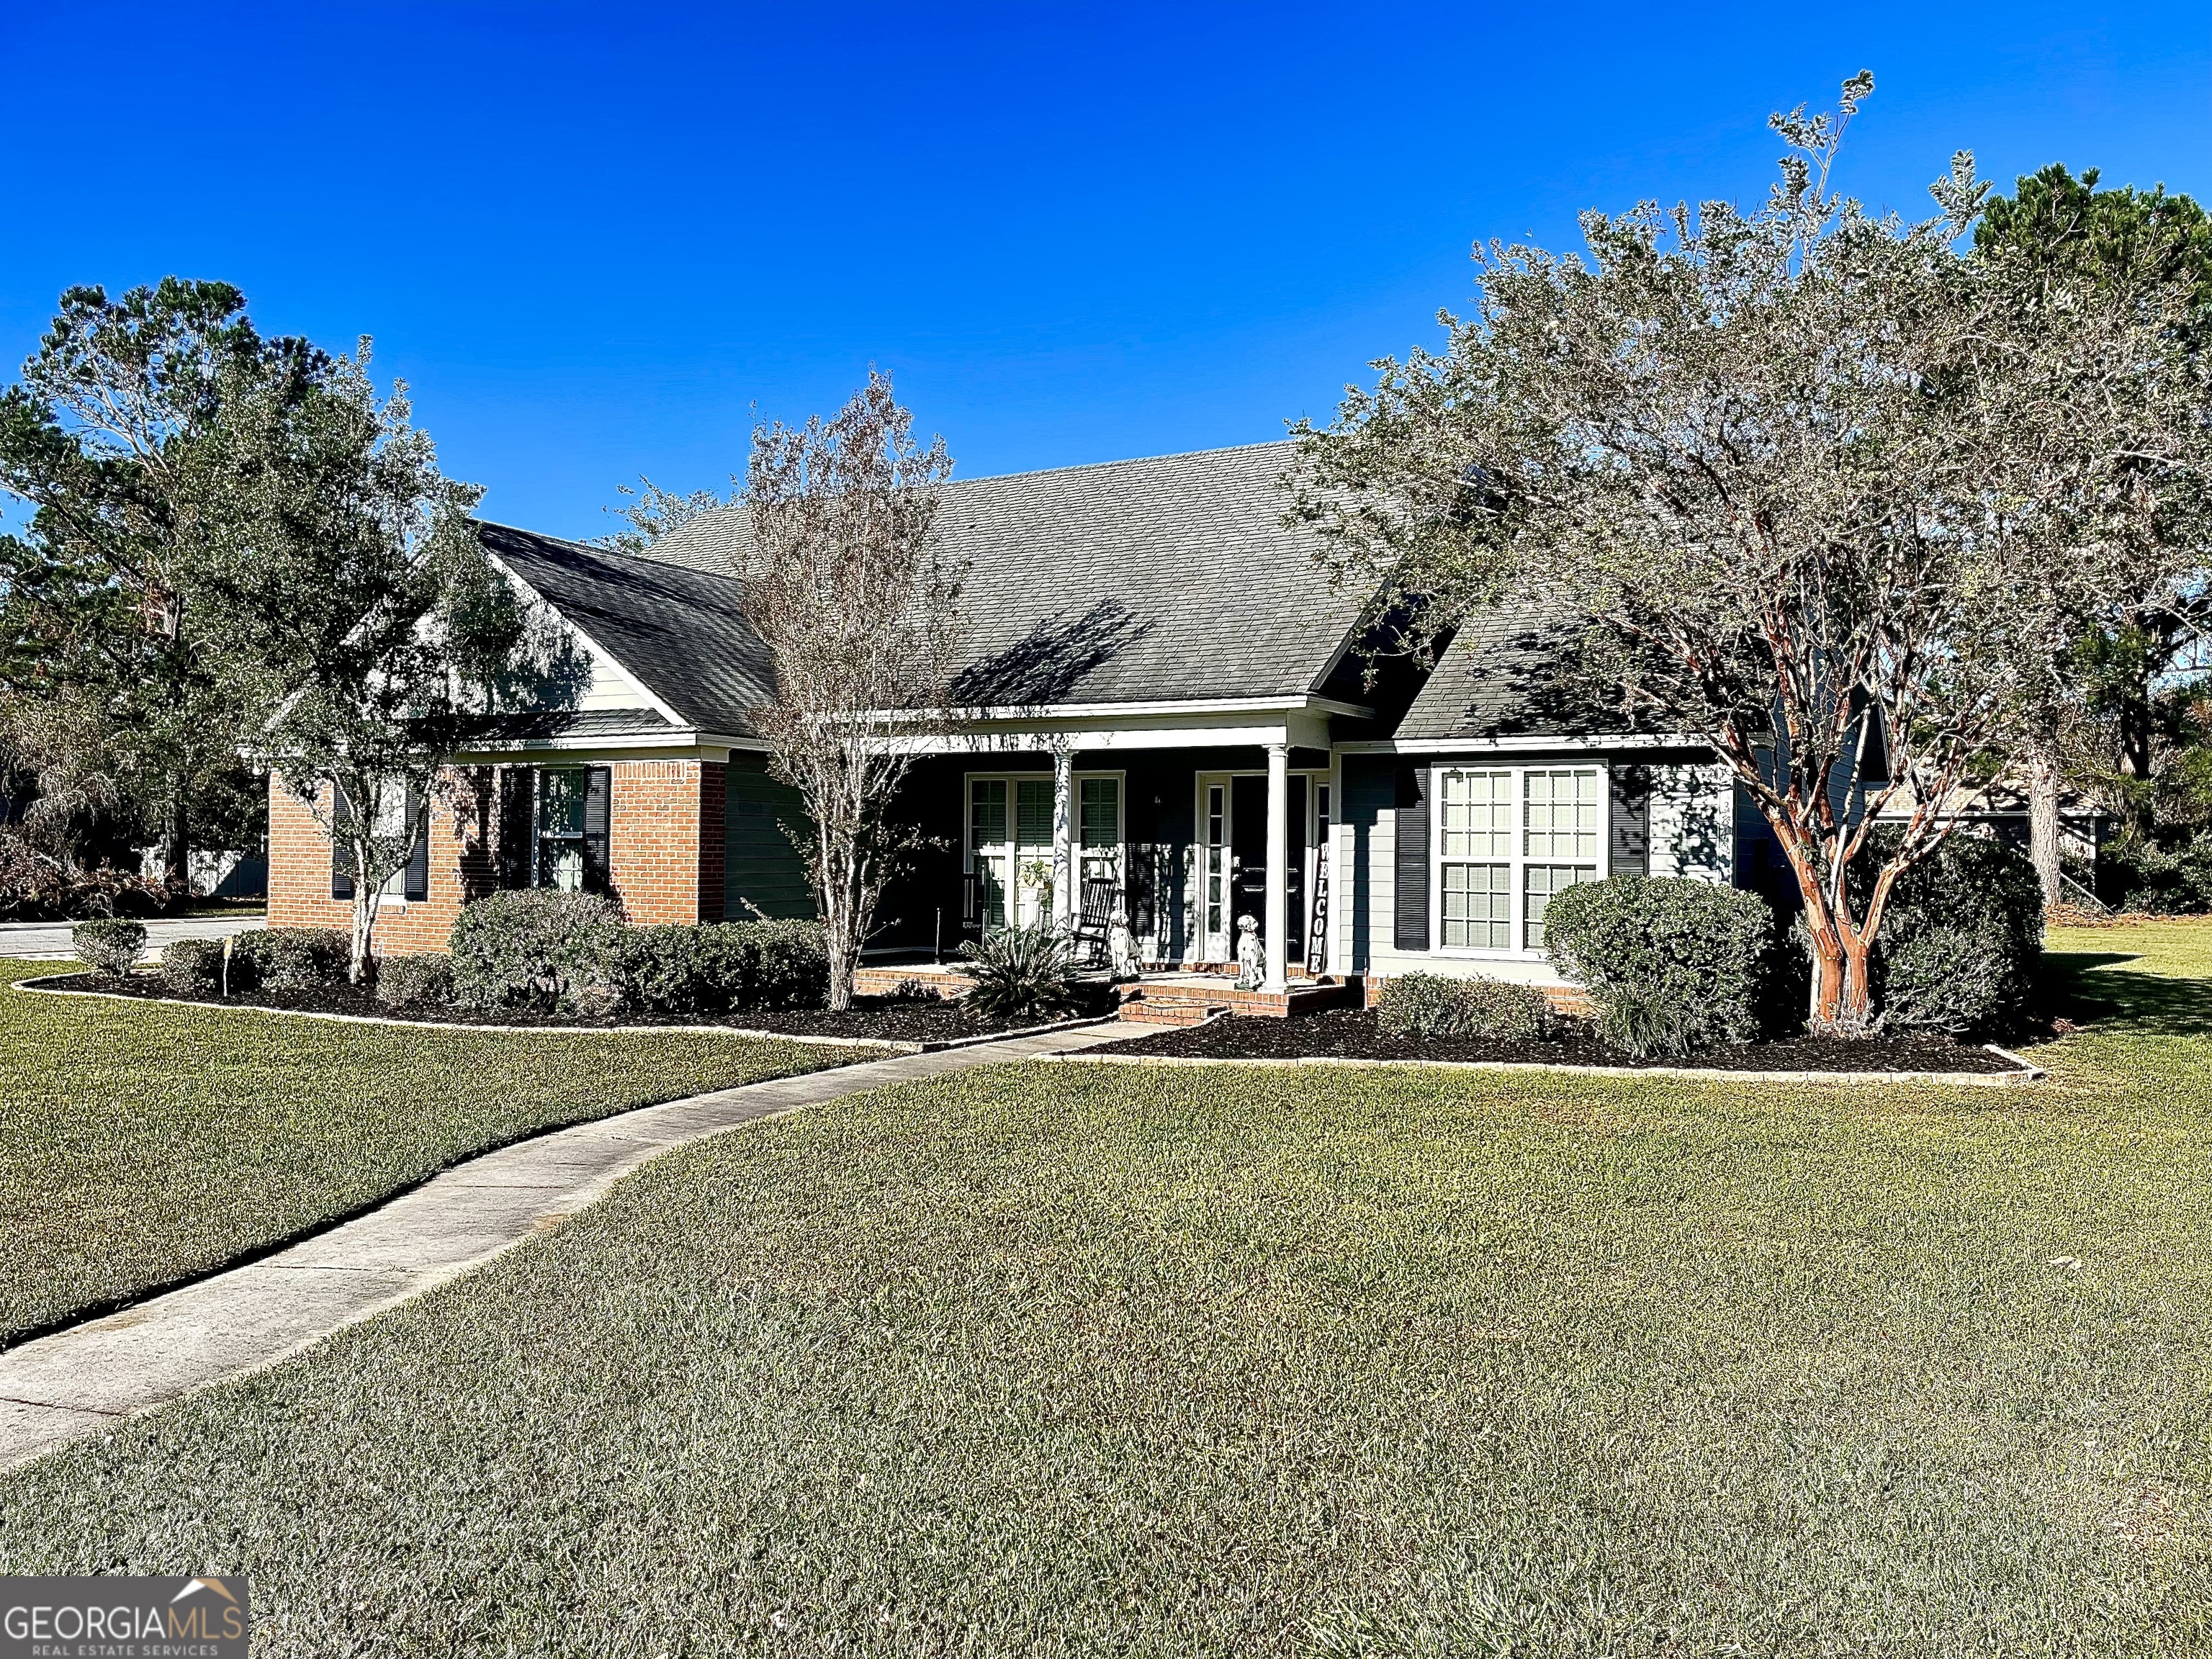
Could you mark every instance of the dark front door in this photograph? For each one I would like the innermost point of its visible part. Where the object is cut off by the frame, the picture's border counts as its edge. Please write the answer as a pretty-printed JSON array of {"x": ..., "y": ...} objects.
[{"x": 1248, "y": 840}]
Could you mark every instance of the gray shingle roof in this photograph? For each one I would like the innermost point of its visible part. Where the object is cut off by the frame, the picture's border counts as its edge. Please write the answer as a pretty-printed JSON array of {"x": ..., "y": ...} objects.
[
  {"x": 680, "y": 632},
  {"x": 543, "y": 725},
  {"x": 1170, "y": 578},
  {"x": 1505, "y": 675}
]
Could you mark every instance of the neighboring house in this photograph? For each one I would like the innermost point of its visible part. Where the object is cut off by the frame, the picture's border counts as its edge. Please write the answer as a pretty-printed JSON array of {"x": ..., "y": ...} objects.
[{"x": 1172, "y": 707}]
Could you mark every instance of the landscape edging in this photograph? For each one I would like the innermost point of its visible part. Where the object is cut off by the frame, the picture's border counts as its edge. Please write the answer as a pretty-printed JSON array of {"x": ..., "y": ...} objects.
[
  {"x": 2029, "y": 1073},
  {"x": 894, "y": 1046}
]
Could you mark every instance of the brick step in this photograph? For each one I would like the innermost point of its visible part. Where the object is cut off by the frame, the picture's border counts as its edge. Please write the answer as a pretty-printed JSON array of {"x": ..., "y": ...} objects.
[
  {"x": 1139, "y": 1012},
  {"x": 1299, "y": 999}
]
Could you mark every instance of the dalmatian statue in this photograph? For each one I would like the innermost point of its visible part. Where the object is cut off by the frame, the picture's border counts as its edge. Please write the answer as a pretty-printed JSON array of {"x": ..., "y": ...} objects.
[
  {"x": 1251, "y": 955},
  {"x": 1121, "y": 946}
]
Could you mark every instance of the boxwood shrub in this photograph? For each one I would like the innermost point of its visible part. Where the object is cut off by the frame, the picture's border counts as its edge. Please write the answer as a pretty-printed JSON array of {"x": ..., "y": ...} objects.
[
  {"x": 1961, "y": 939},
  {"x": 1669, "y": 963},
  {"x": 711, "y": 968},
  {"x": 193, "y": 966},
  {"x": 415, "y": 981},
  {"x": 540, "y": 949},
  {"x": 290, "y": 958},
  {"x": 1433, "y": 1006},
  {"x": 110, "y": 946}
]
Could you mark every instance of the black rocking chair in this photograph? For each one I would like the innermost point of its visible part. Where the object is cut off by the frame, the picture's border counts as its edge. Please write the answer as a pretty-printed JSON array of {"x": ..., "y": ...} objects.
[{"x": 1100, "y": 897}]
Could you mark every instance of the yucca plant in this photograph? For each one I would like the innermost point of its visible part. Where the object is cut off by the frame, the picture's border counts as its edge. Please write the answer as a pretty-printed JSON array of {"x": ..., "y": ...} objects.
[{"x": 1020, "y": 970}]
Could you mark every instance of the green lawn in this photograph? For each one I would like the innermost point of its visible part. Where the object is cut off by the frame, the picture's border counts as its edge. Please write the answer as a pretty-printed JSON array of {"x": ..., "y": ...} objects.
[
  {"x": 1061, "y": 1359},
  {"x": 140, "y": 1144}
]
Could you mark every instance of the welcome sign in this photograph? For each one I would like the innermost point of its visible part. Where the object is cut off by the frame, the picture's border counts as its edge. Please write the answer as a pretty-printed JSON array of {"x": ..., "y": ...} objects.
[{"x": 204, "y": 1617}]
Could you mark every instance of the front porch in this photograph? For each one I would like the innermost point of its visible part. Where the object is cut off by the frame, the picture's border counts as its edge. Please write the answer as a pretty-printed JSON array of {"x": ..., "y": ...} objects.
[{"x": 1182, "y": 843}]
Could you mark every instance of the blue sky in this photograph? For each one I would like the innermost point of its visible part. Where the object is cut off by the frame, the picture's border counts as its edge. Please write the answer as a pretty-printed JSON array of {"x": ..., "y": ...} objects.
[{"x": 595, "y": 239}]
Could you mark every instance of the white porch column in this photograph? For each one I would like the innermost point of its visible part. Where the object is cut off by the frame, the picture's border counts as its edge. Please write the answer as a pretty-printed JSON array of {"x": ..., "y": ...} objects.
[
  {"x": 1063, "y": 835},
  {"x": 1278, "y": 864}
]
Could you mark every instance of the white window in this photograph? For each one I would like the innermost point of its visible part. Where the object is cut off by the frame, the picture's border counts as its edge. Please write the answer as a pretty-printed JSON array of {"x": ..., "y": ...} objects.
[
  {"x": 1010, "y": 841},
  {"x": 1507, "y": 838}
]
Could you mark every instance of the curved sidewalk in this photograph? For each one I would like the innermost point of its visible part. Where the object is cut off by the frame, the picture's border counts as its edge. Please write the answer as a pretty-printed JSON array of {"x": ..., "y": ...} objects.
[{"x": 89, "y": 1376}]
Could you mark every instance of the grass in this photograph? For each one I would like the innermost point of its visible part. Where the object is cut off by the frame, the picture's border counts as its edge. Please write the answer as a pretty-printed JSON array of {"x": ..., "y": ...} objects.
[
  {"x": 141, "y": 1144},
  {"x": 1058, "y": 1359}
]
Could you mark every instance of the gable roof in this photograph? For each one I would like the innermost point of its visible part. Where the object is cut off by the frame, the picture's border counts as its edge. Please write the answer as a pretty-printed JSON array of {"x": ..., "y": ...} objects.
[
  {"x": 1505, "y": 674},
  {"x": 680, "y": 633},
  {"x": 1170, "y": 578}
]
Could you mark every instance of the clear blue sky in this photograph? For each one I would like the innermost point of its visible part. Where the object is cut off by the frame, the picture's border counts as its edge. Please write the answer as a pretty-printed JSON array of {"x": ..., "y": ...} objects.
[{"x": 593, "y": 239}]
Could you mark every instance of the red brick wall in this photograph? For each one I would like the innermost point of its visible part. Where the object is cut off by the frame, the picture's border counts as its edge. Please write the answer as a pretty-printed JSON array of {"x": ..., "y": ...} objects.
[
  {"x": 664, "y": 838},
  {"x": 462, "y": 840},
  {"x": 665, "y": 847}
]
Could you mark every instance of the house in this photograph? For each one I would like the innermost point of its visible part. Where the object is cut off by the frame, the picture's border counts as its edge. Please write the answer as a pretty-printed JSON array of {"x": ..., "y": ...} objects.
[{"x": 1173, "y": 715}]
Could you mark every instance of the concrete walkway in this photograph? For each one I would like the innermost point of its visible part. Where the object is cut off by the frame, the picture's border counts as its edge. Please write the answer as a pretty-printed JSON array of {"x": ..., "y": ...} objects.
[
  {"x": 49, "y": 941},
  {"x": 89, "y": 1376}
]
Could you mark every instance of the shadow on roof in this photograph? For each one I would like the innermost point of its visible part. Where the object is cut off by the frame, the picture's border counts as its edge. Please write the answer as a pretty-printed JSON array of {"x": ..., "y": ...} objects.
[{"x": 1049, "y": 664}]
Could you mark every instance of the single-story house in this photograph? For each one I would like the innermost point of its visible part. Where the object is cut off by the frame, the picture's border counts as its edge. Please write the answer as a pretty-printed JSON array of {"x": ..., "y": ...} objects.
[{"x": 1172, "y": 710}]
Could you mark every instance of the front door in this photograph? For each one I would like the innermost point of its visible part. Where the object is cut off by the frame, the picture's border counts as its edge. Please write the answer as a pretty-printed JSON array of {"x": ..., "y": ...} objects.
[{"x": 1248, "y": 832}]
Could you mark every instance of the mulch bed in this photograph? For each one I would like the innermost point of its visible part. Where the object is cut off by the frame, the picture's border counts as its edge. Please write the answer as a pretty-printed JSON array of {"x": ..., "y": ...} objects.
[
  {"x": 1353, "y": 1034},
  {"x": 879, "y": 1019}
]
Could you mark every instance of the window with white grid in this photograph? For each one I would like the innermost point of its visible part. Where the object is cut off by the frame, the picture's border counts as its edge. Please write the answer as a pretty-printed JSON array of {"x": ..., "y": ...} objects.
[{"x": 1507, "y": 838}]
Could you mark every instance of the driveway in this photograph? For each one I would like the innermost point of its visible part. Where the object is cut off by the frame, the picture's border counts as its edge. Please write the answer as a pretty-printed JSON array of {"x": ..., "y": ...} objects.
[{"x": 49, "y": 941}]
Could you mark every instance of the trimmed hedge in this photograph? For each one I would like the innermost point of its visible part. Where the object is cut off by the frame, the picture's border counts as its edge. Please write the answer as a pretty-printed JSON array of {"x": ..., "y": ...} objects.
[
  {"x": 290, "y": 958},
  {"x": 1960, "y": 939},
  {"x": 1434, "y": 1006},
  {"x": 415, "y": 981},
  {"x": 1669, "y": 963},
  {"x": 538, "y": 948},
  {"x": 110, "y": 946},
  {"x": 715, "y": 966},
  {"x": 193, "y": 966}
]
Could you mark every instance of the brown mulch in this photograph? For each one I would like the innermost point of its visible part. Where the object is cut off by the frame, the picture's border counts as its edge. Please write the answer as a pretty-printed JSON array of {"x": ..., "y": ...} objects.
[
  {"x": 1353, "y": 1034},
  {"x": 878, "y": 1019}
]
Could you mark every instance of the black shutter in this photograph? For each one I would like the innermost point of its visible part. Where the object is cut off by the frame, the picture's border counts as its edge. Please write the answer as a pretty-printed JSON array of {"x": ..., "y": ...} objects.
[
  {"x": 1410, "y": 886},
  {"x": 341, "y": 831},
  {"x": 418, "y": 858},
  {"x": 517, "y": 812},
  {"x": 599, "y": 789}
]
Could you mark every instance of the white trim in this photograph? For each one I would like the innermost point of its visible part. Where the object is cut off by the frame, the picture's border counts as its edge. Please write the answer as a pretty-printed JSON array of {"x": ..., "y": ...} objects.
[
  {"x": 988, "y": 714},
  {"x": 1521, "y": 746},
  {"x": 627, "y": 673},
  {"x": 1516, "y": 862}
]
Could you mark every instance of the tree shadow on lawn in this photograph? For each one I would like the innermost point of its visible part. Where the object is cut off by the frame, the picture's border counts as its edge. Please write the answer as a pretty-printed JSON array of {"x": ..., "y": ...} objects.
[{"x": 2090, "y": 988}]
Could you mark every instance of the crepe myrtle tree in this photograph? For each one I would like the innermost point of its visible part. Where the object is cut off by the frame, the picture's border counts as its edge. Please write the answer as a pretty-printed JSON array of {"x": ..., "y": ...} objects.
[
  {"x": 847, "y": 584},
  {"x": 361, "y": 615},
  {"x": 1801, "y": 481}
]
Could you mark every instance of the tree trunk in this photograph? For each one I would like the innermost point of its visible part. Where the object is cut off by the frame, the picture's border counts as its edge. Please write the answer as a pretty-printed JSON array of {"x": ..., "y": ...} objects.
[
  {"x": 176, "y": 846},
  {"x": 364, "y": 917},
  {"x": 2043, "y": 823}
]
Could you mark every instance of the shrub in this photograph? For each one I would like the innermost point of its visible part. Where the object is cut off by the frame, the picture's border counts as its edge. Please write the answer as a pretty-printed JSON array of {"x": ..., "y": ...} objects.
[
  {"x": 1644, "y": 1024},
  {"x": 1691, "y": 956},
  {"x": 716, "y": 966},
  {"x": 538, "y": 948},
  {"x": 1020, "y": 970},
  {"x": 193, "y": 966},
  {"x": 1431, "y": 1005},
  {"x": 109, "y": 947},
  {"x": 35, "y": 885},
  {"x": 1961, "y": 937},
  {"x": 416, "y": 981},
  {"x": 2134, "y": 872},
  {"x": 290, "y": 958}
]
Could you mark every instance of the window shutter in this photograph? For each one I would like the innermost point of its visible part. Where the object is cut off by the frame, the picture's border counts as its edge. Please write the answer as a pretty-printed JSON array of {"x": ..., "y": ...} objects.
[
  {"x": 418, "y": 858},
  {"x": 1410, "y": 884},
  {"x": 598, "y": 788},
  {"x": 517, "y": 811},
  {"x": 341, "y": 827}
]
